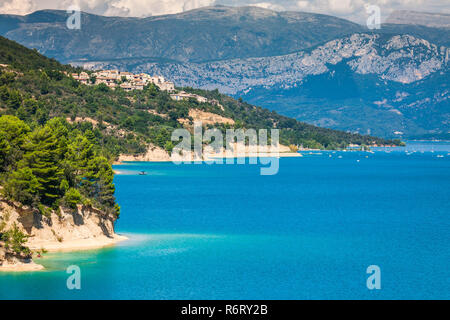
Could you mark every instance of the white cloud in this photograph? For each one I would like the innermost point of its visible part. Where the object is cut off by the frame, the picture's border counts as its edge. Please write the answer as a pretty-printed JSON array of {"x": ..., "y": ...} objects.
[
  {"x": 269, "y": 5},
  {"x": 17, "y": 6},
  {"x": 83, "y": 4},
  {"x": 356, "y": 9},
  {"x": 127, "y": 8},
  {"x": 137, "y": 8},
  {"x": 348, "y": 9}
]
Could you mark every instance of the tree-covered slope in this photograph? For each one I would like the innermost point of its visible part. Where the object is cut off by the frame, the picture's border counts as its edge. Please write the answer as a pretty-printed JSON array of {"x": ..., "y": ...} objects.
[
  {"x": 59, "y": 137},
  {"x": 35, "y": 89}
]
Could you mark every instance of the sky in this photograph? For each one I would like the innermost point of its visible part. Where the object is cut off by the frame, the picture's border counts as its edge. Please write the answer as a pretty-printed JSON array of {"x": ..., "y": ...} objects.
[{"x": 354, "y": 10}]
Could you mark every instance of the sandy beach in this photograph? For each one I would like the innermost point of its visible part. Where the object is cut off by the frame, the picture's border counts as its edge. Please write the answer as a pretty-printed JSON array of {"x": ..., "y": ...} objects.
[
  {"x": 77, "y": 244},
  {"x": 66, "y": 246},
  {"x": 157, "y": 154},
  {"x": 21, "y": 267}
]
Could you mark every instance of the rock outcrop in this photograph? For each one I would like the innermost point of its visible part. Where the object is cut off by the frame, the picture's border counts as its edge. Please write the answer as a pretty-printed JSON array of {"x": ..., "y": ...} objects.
[
  {"x": 369, "y": 83},
  {"x": 62, "y": 230},
  {"x": 400, "y": 58}
]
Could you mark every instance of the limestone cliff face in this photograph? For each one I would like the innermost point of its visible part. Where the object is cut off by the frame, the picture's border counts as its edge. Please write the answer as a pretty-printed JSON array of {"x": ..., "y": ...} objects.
[
  {"x": 153, "y": 154},
  {"x": 65, "y": 229},
  {"x": 401, "y": 58},
  {"x": 379, "y": 84}
]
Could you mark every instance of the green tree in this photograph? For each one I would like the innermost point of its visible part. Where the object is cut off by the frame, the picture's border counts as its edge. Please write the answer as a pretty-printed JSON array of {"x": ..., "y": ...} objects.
[
  {"x": 169, "y": 146},
  {"x": 22, "y": 186},
  {"x": 30, "y": 106},
  {"x": 4, "y": 152},
  {"x": 72, "y": 198},
  {"x": 79, "y": 152},
  {"x": 13, "y": 132},
  {"x": 13, "y": 129},
  {"x": 15, "y": 99},
  {"x": 15, "y": 241},
  {"x": 42, "y": 152},
  {"x": 98, "y": 182},
  {"x": 4, "y": 93}
]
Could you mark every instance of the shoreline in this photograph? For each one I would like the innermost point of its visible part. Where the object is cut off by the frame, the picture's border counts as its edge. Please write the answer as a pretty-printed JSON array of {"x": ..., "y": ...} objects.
[
  {"x": 67, "y": 246},
  {"x": 156, "y": 154},
  {"x": 78, "y": 244},
  {"x": 22, "y": 267},
  {"x": 246, "y": 155}
]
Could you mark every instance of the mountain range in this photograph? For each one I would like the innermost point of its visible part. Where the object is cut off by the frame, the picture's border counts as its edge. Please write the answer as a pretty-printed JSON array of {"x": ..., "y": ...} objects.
[
  {"x": 327, "y": 71},
  {"x": 209, "y": 33}
]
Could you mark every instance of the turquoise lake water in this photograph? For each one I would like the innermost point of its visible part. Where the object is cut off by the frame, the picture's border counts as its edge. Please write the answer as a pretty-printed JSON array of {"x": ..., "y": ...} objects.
[{"x": 309, "y": 232}]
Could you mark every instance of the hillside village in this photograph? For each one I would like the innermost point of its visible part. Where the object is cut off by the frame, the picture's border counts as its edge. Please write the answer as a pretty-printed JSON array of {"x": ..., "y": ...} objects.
[
  {"x": 129, "y": 81},
  {"x": 125, "y": 80}
]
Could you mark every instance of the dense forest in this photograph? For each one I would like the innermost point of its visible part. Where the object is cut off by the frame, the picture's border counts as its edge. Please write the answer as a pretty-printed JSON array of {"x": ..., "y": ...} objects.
[
  {"x": 58, "y": 137},
  {"x": 45, "y": 166}
]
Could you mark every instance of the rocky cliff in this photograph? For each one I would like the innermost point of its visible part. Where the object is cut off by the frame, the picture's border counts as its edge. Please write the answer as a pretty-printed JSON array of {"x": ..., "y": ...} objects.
[
  {"x": 401, "y": 58},
  {"x": 62, "y": 230}
]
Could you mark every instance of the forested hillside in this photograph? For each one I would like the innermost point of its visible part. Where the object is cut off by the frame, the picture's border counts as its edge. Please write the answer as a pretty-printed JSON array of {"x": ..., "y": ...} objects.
[
  {"x": 58, "y": 137},
  {"x": 36, "y": 89},
  {"x": 45, "y": 166}
]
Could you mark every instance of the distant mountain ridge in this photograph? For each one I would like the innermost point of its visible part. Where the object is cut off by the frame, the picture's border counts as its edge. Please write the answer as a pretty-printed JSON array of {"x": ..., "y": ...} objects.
[
  {"x": 392, "y": 78},
  {"x": 366, "y": 54},
  {"x": 210, "y": 33},
  {"x": 391, "y": 82},
  {"x": 428, "y": 19}
]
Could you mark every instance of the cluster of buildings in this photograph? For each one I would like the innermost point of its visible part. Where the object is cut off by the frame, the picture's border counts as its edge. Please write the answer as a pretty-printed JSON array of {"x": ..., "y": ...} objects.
[
  {"x": 126, "y": 80},
  {"x": 179, "y": 96},
  {"x": 129, "y": 81}
]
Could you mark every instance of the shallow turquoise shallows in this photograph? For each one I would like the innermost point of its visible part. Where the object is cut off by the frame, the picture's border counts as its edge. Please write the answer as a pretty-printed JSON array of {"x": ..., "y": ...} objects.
[{"x": 309, "y": 232}]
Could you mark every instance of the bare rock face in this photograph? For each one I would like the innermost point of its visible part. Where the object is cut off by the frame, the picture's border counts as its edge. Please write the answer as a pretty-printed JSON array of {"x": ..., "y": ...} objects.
[
  {"x": 399, "y": 58},
  {"x": 2, "y": 255},
  {"x": 396, "y": 76},
  {"x": 153, "y": 154},
  {"x": 66, "y": 229}
]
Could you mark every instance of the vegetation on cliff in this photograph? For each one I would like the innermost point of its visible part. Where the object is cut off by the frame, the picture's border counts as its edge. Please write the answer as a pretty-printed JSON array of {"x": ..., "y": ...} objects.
[
  {"x": 53, "y": 164},
  {"x": 14, "y": 242}
]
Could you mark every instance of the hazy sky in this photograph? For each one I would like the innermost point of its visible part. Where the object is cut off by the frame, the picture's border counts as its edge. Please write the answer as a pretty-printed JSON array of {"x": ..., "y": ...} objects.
[{"x": 349, "y": 9}]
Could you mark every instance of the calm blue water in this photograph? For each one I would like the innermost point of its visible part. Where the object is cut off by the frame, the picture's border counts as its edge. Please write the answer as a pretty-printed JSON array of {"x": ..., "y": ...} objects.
[{"x": 310, "y": 232}]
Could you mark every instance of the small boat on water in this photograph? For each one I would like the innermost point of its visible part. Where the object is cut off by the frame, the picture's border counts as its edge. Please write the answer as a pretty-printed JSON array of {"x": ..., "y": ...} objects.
[{"x": 142, "y": 173}]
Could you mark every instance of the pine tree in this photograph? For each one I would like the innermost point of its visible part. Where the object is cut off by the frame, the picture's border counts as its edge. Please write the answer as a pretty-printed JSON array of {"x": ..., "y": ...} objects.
[
  {"x": 79, "y": 152},
  {"x": 42, "y": 157},
  {"x": 12, "y": 136},
  {"x": 99, "y": 182},
  {"x": 13, "y": 129},
  {"x": 22, "y": 186},
  {"x": 15, "y": 99},
  {"x": 5, "y": 148}
]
